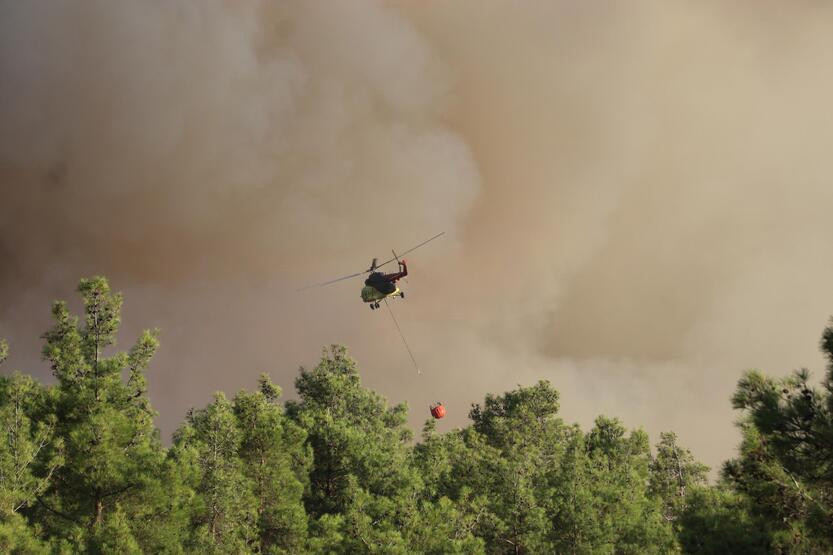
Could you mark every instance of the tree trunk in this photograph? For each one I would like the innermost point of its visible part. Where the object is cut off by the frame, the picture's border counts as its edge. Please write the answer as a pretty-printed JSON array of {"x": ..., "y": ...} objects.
[{"x": 99, "y": 511}]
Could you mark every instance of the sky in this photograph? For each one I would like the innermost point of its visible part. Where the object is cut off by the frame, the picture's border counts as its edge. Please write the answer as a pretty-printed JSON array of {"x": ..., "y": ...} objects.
[{"x": 635, "y": 195}]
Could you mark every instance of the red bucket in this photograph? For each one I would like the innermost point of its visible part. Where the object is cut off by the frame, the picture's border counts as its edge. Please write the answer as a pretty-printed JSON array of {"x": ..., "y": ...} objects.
[{"x": 438, "y": 411}]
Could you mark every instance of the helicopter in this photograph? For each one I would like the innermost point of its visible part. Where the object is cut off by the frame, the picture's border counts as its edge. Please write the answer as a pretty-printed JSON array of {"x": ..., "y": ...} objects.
[{"x": 380, "y": 286}]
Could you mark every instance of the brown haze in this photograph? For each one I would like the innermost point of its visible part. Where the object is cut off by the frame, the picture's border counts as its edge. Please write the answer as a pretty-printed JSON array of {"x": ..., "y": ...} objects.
[{"x": 636, "y": 195}]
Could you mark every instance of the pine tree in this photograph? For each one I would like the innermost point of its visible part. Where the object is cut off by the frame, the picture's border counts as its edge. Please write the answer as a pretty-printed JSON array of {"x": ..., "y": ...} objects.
[
  {"x": 533, "y": 484},
  {"x": 785, "y": 464},
  {"x": 674, "y": 471},
  {"x": 18, "y": 537},
  {"x": 520, "y": 438},
  {"x": 449, "y": 467},
  {"x": 718, "y": 520},
  {"x": 276, "y": 460},
  {"x": 113, "y": 535},
  {"x": 29, "y": 455},
  {"x": 361, "y": 458},
  {"x": 113, "y": 456},
  {"x": 631, "y": 521},
  {"x": 223, "y": 511},
  {"x": 82, "y": 467}
]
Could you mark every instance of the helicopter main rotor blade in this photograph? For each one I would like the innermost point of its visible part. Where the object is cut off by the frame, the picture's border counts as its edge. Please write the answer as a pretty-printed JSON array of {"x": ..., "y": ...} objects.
[
  {"x": 373, "y": 266},
  {"x": 325, "y": 283},
  {"x": 411, "y": 249}
]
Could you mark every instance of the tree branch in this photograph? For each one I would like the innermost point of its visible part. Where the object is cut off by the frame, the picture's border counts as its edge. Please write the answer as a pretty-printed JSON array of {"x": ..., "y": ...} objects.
[{"x": 59, "y": 513}]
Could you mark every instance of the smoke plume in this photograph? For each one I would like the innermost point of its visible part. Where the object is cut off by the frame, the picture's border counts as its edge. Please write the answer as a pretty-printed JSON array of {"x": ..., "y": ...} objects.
[{"x": 635, "y": 196}]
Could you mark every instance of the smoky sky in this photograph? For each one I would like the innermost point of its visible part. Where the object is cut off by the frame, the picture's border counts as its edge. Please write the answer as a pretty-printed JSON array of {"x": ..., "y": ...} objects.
[{"x": 636, "y": 196}]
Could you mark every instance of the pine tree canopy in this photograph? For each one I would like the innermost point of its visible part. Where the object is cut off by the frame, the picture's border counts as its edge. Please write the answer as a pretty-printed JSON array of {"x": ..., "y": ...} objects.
[{"x": 337, "y": 470}]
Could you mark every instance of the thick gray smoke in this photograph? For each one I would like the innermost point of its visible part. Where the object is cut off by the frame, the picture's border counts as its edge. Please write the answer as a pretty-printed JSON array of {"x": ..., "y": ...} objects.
[
  {"x": 210, "y": 158},
  {"x": 636, "y": 196}
]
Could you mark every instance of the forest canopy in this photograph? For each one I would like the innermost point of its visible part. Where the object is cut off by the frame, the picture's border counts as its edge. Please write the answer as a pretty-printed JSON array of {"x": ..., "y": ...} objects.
[{"x": 83, "y": 468}]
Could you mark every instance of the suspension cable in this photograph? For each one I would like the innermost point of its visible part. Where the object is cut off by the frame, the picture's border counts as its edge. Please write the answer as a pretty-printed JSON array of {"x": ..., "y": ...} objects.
[{"x": 402, "y": 335}]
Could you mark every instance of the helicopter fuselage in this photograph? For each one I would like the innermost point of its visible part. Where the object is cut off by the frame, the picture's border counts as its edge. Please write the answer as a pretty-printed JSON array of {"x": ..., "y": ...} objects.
[
  {"x": 379, "y": 286},
  {"x": 371, "y": 295}
]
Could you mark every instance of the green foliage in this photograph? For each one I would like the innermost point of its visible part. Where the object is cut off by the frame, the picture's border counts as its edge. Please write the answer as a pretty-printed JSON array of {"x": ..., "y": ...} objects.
[
  {"x": 113, "y": 535},
  {"x": 525, "y": 482},
  {"x": 360, "y": 454},
  {"x": 276, "y": 460},
  {"x": 4, "y": 351},
  {"x": 717, "y": 520},
  {"x": 247, "y": 466},
  {"x": 223, "y": 511},
  {"x": 31, "y": 452},
  {"x": 352, "y": 433},
  {"x": 519, "y": 439},
  {"x": 674, "y": 471},
  {"x": 625, "y": 518},
  {"x": 82, "y": 467},
  {"x": 785, "y": 463},
  {"x": 112, "y": 454},
  {"x": 17, "y": 538}
]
